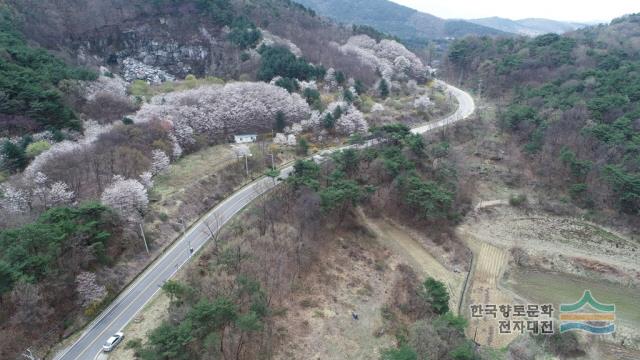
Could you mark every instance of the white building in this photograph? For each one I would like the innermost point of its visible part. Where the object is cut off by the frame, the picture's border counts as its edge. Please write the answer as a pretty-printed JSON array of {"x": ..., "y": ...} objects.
[{"x": 243, "y": 139}]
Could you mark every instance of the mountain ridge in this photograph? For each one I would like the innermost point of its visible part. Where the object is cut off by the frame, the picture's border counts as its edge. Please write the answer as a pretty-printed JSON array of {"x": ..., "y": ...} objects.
[
  {"x": 398, "y": 20},
  {"x": 528, "y": 26}
]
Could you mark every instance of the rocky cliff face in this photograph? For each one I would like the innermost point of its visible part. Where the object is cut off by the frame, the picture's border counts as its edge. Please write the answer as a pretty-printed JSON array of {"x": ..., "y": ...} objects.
[{"x": 176, "y": 38}]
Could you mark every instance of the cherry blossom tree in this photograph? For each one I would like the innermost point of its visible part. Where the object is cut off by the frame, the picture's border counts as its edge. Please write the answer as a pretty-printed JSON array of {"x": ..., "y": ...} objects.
[
  {"x": 146, "y": 179},
  {"x": 159, "y": 161},
  {"x": 311, "y": 84},
  {"x": 217, "y": 112},
  {"x": 88, "y": 289},
  {"x": 377, "y": 107},
  {"x": 389, "y": 57},
  {"x": 422, "y": 104},
  {"x": 330, "y": 81},
  {"x": 56, "y": 194},
  {"x": 14, "y": 200},
  {"x": 350, "y": 121},
  {"x": 60, "y": 194},
  {"x": 402, "y": 67},
  {"x": 128, "y": 197},
  {"x": 177, "y": 149}
]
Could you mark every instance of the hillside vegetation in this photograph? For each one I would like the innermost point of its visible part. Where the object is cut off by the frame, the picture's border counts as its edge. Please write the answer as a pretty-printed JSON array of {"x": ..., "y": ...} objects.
[
  {"x": 82, "y": 151},
  {"x": 29, "y": 76},
  {"x": 573, "y": 103},
  {"x": 260, "y": 261}
]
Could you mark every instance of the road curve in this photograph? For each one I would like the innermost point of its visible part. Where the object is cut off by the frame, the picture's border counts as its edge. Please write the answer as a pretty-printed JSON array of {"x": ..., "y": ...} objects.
[{"x": 141, "y": 291}]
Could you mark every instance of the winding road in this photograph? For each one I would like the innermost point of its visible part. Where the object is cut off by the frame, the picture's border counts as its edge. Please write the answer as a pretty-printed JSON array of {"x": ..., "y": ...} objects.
[{"x": 141, "y": 291}]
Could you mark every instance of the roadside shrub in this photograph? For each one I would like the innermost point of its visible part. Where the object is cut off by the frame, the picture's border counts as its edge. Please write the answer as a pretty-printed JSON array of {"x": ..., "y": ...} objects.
[
  {"x": 93, "y": 309},
  {"x": 435, "y": 293},
  {"x": 517, "y": 199},
  {"x": 36, "y": 148}
]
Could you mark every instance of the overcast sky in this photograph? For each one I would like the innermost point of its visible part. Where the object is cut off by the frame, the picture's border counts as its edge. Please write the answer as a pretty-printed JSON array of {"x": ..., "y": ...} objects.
[{"x": 567, "y": 10}]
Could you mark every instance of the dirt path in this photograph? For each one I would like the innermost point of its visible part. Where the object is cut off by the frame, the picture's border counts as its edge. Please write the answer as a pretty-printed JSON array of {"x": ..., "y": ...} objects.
[
  {"x": 489, "y": 265},
  {"x": 411, "y": 251}
]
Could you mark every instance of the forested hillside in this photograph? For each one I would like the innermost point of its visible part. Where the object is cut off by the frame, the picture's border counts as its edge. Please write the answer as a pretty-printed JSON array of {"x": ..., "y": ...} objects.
[
  {"x": 98, "y": 98},
  {"x": 572, "y": 101},
  {"x": 29, "y": 99}
]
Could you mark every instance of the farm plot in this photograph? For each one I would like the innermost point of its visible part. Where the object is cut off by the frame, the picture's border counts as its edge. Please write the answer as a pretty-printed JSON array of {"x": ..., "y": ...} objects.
[{"x": 489, "y": 264}]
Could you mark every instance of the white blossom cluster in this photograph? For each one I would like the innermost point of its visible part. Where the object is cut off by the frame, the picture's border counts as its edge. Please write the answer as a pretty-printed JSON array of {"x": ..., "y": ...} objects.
[
  {"x": 422, "y": 104},
  {"x": 40, "y": 192},
  {"x": 128, "y": 197},
  {"x": 389, "y": 57},
  {"x": 56, "y": 194},
  {"x": 294, "y": 129},
  {"x": 14, "y": 200},
  {"x": 377, "y": 107},
  {"x": 146, "y": 179},
  {"x": 270, "y": 39},
  {"x": 159, "y": 161},
  {"x": 105, "y": 85},
  {"x": 351, "y": 121},
  {"x": 330, "y": 81},
  {"x": 88, "y": 289},
  {"x": 311, "y": 84},
  {"x": 282, "y": 139},
  {"x": 217, "y": 111}
]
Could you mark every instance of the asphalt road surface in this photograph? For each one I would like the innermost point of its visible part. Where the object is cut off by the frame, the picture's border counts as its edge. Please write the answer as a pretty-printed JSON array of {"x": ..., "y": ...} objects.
[{"x": 142, "y": 290}]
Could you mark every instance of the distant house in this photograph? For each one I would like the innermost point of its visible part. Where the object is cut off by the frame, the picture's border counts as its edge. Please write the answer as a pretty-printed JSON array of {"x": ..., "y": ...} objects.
[{"x": 243, "y": 139}]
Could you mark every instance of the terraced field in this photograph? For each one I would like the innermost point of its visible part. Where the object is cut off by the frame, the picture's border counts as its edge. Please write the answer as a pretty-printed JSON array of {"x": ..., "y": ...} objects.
[{"x": 489, "y": 264}]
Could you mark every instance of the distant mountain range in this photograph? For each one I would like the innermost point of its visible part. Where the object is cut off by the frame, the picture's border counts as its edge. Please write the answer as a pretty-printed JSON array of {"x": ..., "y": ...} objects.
[
  {"x": 410, "y": 24},
  {"x": 529, "y": 27},
  {"x": 397, "y": 20}
]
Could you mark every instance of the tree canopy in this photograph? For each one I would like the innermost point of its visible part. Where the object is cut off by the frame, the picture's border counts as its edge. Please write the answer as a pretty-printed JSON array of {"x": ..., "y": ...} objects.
[
  {"x": 29, "y": 79},
  {"x": 33, "y": 251}
]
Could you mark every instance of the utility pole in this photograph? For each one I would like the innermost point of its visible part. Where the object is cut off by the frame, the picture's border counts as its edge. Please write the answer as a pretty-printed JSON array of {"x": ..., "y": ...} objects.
[
  {"x": 184, "y": 233},
  {"x": 273, "y": 161},
  {"x": 246, "y": 164},
  {"x": 144, "y": 238},
  {"x": 181, "y": 220}
]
